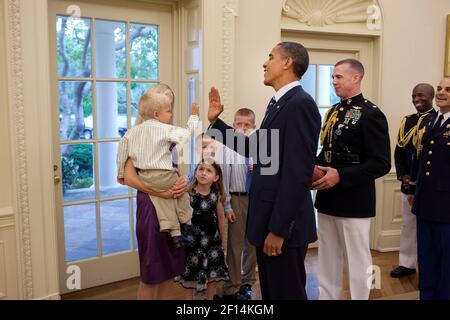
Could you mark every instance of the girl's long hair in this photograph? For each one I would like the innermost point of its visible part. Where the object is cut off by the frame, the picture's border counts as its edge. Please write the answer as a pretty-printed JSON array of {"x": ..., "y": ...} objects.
[{"x": 216, "y": 186}]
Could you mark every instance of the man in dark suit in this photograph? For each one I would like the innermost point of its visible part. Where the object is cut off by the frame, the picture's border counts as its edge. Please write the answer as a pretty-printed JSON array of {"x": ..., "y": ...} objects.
[
  {"x": 356, "y": 151},
  {"x": 431, "y": 175},
  {"x": 281, "y": 220},
  {"x": 405, "y": 150}
]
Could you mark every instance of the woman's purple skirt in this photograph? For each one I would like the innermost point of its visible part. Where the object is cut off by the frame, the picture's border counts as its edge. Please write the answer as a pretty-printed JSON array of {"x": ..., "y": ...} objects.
[{"x": 159, "y": 259}]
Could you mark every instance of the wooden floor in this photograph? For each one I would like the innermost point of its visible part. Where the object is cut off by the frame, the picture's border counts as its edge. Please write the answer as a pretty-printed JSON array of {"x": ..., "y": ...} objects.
[{"x": 390, "y": 288}]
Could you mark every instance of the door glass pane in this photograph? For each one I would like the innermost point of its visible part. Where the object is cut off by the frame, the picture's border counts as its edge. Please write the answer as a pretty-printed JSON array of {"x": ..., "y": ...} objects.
[
  {"x": 144, "y": 51},
  {"x": 327, "y": 95},
  {"x": 115, "y": 221},
  {"x": 74, "y": 47},
  {"x": 107, "y": 171},
  {"x": 308, "y": 80},
  {"x": 80, "y": 232},
  {"x": 77, "y": 172},
  {"x": 111, "y": 109},
  {"x": 323, "y": 111},
  {"x": 111, "y": 51},
  {"x": 75, "y": 107}
]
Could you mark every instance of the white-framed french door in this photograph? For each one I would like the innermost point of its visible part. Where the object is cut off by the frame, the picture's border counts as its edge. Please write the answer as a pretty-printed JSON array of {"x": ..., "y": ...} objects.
[
  {"x": 324, "y": 52},
  {"x": 105, "y": 55}
]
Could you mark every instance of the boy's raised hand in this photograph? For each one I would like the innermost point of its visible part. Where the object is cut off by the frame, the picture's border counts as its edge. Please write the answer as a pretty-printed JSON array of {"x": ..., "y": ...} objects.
[{"x": 195, "y": 109}]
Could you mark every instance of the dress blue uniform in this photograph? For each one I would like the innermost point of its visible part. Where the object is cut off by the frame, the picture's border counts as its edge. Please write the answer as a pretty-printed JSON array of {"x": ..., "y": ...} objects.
[
  {"x": 405, "y": 150},
  {"x": 431, "y": 174}
]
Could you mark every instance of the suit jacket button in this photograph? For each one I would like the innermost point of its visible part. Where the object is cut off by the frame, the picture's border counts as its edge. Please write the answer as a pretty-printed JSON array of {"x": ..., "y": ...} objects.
[
  {"x": 428, "y": 174},
  {"x": 432, "y": 142},
  {"x": 430, "y": 153},
  {"x": 429, "y": 162}
]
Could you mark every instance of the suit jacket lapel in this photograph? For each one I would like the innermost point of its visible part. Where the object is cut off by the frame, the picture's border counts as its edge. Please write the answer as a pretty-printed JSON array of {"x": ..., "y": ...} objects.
[{"x": 278, "y": 106}]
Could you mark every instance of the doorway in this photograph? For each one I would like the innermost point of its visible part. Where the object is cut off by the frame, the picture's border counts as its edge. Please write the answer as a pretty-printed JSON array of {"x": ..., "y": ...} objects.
[
  {"x": 324, "y": 51},
  {"x": 105, "y": 55}
]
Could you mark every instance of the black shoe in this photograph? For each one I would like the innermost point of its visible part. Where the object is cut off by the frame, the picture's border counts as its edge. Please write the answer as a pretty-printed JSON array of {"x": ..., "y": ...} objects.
[
  {"x": 401, "y": 271},
  {"x": 187, "y": 229},
  {"x": 245, "y": 292},
  {"x": 182, "y": 241},
  {"x": 230, "y": 297},
  {"x": 178, "y": 241}
]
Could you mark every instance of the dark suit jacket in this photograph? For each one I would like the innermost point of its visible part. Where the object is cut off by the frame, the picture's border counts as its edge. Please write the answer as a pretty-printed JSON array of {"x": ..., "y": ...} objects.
[
  {"x": 281, "y": 203},
  {"x": 431, "y": 173}
]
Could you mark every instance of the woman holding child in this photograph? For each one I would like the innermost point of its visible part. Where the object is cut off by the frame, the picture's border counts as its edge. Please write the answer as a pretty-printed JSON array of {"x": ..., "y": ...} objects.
[{"x": 160, "y": 261}]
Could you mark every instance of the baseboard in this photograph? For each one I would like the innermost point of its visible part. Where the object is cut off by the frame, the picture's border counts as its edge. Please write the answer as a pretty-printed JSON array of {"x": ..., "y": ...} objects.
[{"x": 54, "y": 296}]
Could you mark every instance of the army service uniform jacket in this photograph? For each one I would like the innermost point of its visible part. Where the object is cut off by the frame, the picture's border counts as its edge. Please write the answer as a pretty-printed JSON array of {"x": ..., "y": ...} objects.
[{"x": 431, "y": 173}]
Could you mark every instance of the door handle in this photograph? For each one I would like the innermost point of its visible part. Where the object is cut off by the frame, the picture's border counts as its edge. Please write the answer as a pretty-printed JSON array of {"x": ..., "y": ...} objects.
[{"x": 56, "y": 177}]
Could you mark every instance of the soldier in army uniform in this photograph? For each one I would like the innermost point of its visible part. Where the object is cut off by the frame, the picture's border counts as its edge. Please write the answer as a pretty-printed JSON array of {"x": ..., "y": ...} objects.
[
  {"x": 407, "y": 144},
  {"x": 431, "y": 174},
  {"x": 356, "y": 151}
]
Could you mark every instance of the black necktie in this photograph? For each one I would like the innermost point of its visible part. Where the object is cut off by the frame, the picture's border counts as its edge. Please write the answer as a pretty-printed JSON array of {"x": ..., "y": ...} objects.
[
  {"x": 438, "y": 124},
  {"x": 270, "y": 108}
]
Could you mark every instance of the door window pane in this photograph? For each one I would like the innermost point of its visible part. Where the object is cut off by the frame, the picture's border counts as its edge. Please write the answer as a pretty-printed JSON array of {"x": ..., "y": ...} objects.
[
  {"x": 74, "y": 47},
  {"x": 115, "y": 221},
  {"x": 77, "y": 172},
  {"x": 107, "y": 171},
  {"x": 144, "y": 52},
  {"x": 80, "y": 232},
  {"x": 111, "y": 110},
  {"x": 75, "y": 107},
  {"x": 327, "y": 95},
  {"x": 308, "y": 80},
  {"x": 110, "y": 37}
]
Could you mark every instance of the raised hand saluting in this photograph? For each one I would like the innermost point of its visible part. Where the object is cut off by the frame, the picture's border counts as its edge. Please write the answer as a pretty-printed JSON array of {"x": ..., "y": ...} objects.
[{"x": 215, "y": 106}]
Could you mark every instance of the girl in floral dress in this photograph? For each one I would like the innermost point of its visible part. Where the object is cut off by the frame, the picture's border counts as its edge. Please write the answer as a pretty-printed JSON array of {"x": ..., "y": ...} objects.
[{"x": 205, "y": 260}]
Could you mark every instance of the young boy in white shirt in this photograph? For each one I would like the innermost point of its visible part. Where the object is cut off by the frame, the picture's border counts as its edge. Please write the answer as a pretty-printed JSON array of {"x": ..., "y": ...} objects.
[{"x": 148, "y": 145}]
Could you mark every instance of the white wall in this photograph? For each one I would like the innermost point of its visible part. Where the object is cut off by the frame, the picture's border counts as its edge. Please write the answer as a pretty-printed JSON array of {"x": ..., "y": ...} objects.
[
  {"x": 31, "y": 268},
  {"x": 257, "y": 32},
  {"x": 413, "y": 52},
  {"x": 9, "y": 280},
  {"x": 5, "y": 161}
]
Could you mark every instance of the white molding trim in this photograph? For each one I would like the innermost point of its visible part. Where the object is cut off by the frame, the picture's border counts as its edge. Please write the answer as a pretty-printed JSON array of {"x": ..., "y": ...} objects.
[
  {"x": 229, "y": 15},
  {"x": 6, "y": 212},
  {"x": 351, "y": 17},
  {"x": 16, "y": 100},
  {"x": 318, "y": 13}
]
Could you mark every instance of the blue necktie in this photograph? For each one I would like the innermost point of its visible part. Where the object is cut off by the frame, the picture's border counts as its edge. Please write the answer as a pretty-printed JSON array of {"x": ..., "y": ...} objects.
[
  {"x": 270, "y": 108},
  {"x": 248, "y": 177}
]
